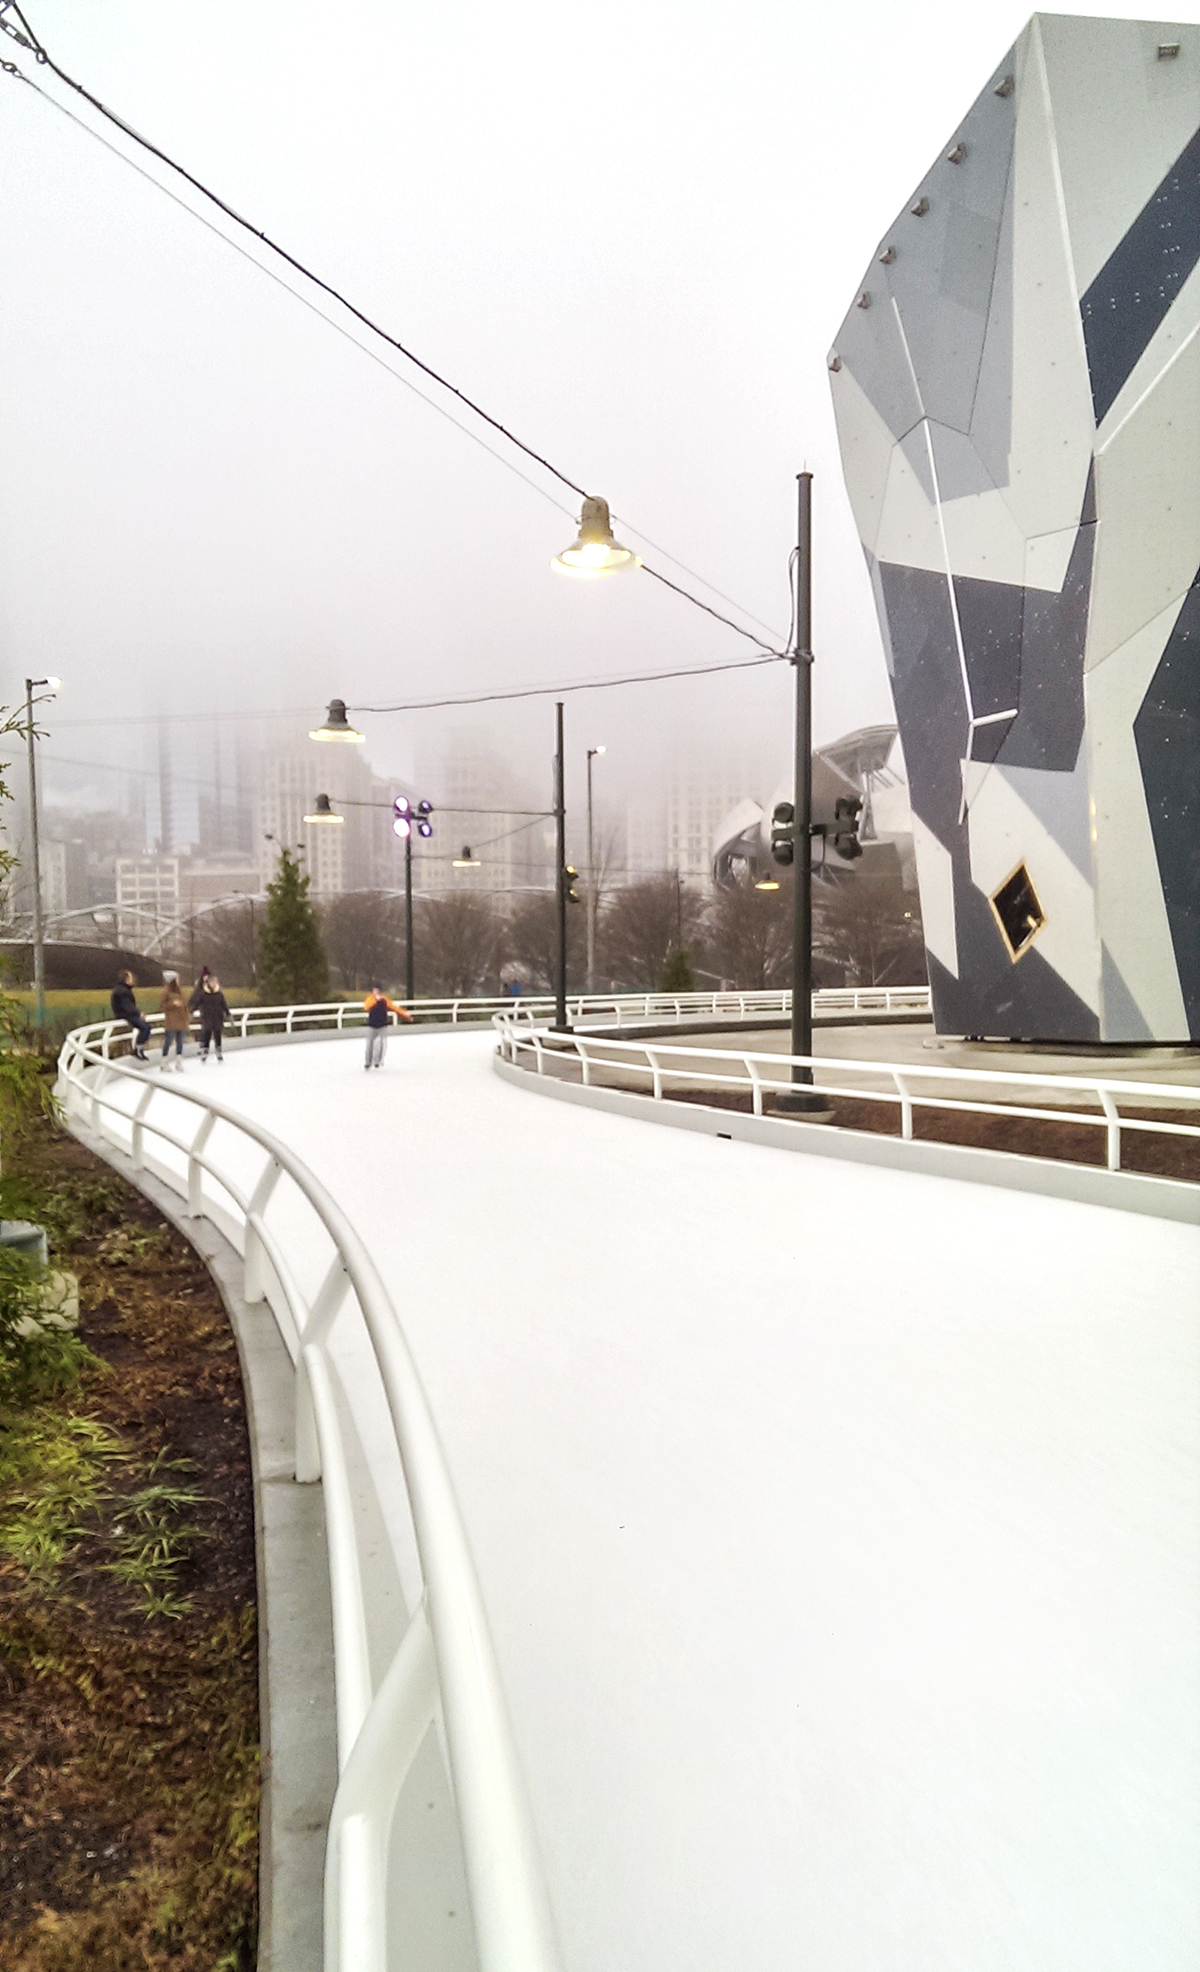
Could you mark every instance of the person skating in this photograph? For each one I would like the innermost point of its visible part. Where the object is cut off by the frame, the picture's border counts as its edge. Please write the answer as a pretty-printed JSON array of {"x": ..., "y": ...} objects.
[
  {"x": 378, "y": 1007},
  {"x": 175, "y": 1017},
  {"x": 198, "y": 989},
  {"x": 212, "y": 1006},
  {"x": 125, "y": 1007}
]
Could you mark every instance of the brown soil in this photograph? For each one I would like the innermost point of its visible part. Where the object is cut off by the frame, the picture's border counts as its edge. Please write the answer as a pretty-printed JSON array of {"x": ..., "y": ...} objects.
[
  {"x": 1025, "y": 1136},
  {"x": 129, "y": 1737}
]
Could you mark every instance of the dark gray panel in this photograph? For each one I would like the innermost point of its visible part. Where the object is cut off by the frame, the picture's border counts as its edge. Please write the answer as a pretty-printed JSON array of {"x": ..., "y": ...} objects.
[
  {"x": 927, "y": 687},
  {"x": 1123, "y": 1019},
  {"x": 990, "y": 615},
  {"x": 881, "y": 610},
  {"x": 1167, "y": 735},
  {"x": 1049, "y": 725},
  {"x": 1142, "y": 276}
]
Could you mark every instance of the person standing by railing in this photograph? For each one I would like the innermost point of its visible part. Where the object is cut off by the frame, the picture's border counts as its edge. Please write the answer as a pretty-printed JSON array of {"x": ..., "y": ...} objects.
[
  {"x": 176, "y": 1017},
  {"x": 125, "y": 1007},
  {"x": 212, "y": 1006},
  {"x": 378, "y": 1007}
]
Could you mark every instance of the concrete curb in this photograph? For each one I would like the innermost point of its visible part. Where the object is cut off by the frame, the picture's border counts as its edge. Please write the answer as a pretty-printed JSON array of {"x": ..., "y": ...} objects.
[
  {"x": 1124, "y": 1191},
  {"x": 295, "y": 1628}
]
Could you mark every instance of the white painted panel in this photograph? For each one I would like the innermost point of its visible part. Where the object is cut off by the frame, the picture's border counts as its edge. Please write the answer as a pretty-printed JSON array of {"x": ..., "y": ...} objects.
[
  {"x": 866, "y": 448},
  {"x": 1131, "y": 911},
  {"x": 1004, "y": 832},
  {"x": 935, "y": 878},
  {"x": 1148, "y": 504},
  {"x": 974, "y": 536},
  {"x": 1046, "y": 559},
  {"x": 909, "y": 531},
  {"x": 1121, "y": 118},
  {"x": 1052, "y": 422}
]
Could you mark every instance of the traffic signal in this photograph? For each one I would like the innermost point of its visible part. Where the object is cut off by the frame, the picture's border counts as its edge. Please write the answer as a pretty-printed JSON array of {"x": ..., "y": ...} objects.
[
  {"x": 424, "y": 825},
  {"x": 846, "y": 812},
  {"x": 402, "y": 818},
  {"x": 783, "y": 832},
  {"x": 570, "y": 879}
]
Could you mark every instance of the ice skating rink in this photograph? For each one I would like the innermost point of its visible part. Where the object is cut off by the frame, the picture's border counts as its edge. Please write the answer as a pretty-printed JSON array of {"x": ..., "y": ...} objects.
[{"x": 839, "y": 1528}]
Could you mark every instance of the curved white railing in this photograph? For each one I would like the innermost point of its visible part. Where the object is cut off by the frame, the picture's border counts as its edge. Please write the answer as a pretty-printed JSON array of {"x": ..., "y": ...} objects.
[
  {"x": 902, "y": 1084},
  {"x": 606, "y": 1008},
  {"x": 442, "y": 1666}
]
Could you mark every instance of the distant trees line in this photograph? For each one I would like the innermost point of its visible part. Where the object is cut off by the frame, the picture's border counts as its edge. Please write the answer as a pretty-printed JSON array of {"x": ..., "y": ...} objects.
[{"x": 651, "y": 935}]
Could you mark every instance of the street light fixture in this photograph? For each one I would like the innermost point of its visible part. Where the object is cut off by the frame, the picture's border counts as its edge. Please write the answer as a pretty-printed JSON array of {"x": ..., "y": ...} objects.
[
  {"x": 323, "y": 812},
  {"x": 594, "y": 551},
  {"x": 337, "y": 726},
  {"x": 466, "y": 861},
  {"x": 48, "y": 686},
  {"x": 592, "y": 753}
]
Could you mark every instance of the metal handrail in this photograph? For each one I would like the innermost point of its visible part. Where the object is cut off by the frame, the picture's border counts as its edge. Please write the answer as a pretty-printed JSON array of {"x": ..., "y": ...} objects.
[
  {"x": 762, "y": 1074},
  {"x": 617, "y": 1007},
  {"x": 445, "y": 1659}
]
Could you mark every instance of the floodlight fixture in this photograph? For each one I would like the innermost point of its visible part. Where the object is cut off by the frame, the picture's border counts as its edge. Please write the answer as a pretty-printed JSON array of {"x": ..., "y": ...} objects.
[
  {"x": 466, "y": 861},
  {"x": 322, "y": 812}
]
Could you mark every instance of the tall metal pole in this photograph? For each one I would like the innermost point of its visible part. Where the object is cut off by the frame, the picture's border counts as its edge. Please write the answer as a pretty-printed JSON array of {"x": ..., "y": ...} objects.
[
  {"x": 409, "y": 975},
  {"x": 560, "y": 844},
  {"x": 39, "y": 944},
  {"x": 591, "y": 848},
  {"x": 802, "y": 659}
]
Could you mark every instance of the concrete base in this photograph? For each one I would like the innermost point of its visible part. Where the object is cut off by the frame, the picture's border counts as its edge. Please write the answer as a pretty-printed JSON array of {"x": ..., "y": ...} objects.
[{"x": 295, "y": 1628}]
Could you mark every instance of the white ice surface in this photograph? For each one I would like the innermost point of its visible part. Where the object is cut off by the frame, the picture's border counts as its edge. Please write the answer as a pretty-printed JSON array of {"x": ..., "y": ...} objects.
[{"x": 839, "y": 1527}]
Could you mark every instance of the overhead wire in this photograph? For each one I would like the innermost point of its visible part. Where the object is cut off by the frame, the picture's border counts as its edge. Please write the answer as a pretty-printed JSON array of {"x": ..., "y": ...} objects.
[{"x": 42, "y": 56}]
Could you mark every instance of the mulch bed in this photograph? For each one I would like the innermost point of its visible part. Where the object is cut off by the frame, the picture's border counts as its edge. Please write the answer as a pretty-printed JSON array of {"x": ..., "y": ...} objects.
[
  {"x": 1025, "y": 1136},
  {"x": 128, "y": 1729}
]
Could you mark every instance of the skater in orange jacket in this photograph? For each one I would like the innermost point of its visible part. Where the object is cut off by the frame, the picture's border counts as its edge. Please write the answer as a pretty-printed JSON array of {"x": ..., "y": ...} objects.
[{"x": 378, "y": 1007}]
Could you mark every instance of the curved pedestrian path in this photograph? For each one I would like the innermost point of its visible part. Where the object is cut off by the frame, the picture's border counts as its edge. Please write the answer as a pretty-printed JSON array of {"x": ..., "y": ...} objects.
[{"x": 837, "y": 1525}]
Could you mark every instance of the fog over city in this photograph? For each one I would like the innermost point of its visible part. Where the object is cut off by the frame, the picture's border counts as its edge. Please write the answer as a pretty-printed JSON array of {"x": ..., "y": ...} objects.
[{"x": 629, "y": 235}]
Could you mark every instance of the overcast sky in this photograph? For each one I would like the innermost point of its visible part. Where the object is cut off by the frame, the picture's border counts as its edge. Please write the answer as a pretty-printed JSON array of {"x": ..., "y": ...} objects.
[{"x": 630, "y": 231}]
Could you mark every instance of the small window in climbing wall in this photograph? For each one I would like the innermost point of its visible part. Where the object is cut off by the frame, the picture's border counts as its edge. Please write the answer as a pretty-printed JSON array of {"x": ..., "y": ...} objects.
[{"x": 1018, "y": 912}]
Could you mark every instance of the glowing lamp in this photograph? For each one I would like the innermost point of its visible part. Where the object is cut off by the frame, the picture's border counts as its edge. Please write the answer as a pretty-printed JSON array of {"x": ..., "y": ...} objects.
[
  {"x": 337, "y": 726},
  {"x": 594, "y": 551},
  {"x": 323, "y": 812}
]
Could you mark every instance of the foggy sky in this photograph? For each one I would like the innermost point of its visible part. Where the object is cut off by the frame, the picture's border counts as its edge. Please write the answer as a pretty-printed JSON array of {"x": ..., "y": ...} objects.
[{"x": 629, "y": 231}]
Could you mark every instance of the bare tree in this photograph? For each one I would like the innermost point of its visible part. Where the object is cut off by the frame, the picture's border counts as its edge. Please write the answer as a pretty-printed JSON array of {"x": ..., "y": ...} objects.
[
  {"x": 869, "y": 926},
  {"x": 531, "y": 942},
  {"x": 642, "y": 925},
  {"x": 458, "y": 945},
  {"x": 749, "y": 936},
  {"x": 364, "y": 938},
  {"x": 224, "y": 941}
]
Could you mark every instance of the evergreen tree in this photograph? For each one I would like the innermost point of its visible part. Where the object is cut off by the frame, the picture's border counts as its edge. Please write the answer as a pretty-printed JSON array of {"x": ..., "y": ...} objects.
[
  {"x": 291, "y": 957},
  {"x": 677, "y": 974}
]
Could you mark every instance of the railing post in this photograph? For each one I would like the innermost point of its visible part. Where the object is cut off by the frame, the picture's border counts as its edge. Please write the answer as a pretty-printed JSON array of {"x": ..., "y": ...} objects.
[
  {"x": 1112, "y": 1130},
  {"x": 538, "y": 1051},
  {"x": 652, "y": 1060},
  {"x": 906, "y": 1108},
  {"x": 135, "y": 1135},
  {"x": 253, "y": 1272},
  {"x": 755, "y": 1082},
  {"x": 308, "y": 1444},
  {"x": 584, "y": 1064},
  {"x": 195, "y": 1170}
]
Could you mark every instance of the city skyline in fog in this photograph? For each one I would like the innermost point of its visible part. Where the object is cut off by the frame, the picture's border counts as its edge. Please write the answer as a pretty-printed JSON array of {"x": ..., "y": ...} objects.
[{"x": 633, "y": 248}]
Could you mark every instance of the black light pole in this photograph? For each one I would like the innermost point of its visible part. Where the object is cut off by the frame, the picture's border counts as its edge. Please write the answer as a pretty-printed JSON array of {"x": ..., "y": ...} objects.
[
  {"x": 560, "y": 842},
  {"x": 802, "y": 658},
  {"x": 409, "y": 987}
]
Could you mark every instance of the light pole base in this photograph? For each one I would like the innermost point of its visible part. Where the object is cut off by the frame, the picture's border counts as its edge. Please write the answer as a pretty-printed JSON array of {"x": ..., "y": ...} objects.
[{"x": 808, "y": 1103}]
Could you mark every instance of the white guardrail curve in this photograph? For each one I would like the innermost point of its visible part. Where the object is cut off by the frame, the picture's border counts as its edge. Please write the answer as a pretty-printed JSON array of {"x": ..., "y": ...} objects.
[
  {"x": 444, "y": 1667},
  {"x": 760, "y": 1075}
]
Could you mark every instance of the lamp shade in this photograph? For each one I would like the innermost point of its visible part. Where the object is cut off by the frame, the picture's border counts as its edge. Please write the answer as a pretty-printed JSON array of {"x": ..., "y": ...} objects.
[
  {"x": 594, "y": 552},
  {"x": 322, "y": 812},
  {"x": 466, "y": 861},
  {"x": 337, "y": 726}
]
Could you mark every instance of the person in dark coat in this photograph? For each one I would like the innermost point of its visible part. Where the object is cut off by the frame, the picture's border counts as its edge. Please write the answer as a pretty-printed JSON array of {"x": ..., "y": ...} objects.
[
  {"x": 212, "y": 1006},
  {"x": 125, "y": 1007}
]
